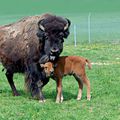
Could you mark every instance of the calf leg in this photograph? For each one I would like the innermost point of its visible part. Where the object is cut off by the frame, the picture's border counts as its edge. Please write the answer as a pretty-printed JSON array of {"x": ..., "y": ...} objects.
[
  {"x": 9, "y": 76},
  {"x": 87, "y": 83},
  {"x": 80, "y": 83},
  {"x": 59, "y": 97}
]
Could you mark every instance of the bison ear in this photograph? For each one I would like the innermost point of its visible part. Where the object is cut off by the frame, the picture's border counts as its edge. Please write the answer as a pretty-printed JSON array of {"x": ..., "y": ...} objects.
[{"x": 66, "y": 28}]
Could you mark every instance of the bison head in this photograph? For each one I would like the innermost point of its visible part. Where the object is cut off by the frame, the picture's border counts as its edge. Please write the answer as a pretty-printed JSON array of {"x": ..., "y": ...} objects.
[{"x": 52, "y": 31}]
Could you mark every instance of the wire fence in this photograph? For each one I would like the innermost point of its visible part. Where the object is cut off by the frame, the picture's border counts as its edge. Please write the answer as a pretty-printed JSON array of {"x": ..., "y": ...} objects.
[
  {"x": 95, "y": 28},
  {"x": 86, "y": 28}
]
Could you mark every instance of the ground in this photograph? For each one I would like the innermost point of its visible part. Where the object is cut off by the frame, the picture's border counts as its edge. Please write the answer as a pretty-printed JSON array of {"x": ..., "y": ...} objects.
[
  {"x": 105, "y": 84},
  {"x": 103, "y": 51}
]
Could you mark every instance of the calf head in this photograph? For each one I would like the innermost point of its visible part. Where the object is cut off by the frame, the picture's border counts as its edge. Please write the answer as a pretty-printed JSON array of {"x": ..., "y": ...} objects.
[
  {"x": 48, "y": 68},
  {"x": 52, "y": 31}
]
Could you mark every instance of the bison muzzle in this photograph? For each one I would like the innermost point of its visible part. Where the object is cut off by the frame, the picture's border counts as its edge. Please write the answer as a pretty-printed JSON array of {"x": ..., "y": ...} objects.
[{"x": 52, "y": 31}]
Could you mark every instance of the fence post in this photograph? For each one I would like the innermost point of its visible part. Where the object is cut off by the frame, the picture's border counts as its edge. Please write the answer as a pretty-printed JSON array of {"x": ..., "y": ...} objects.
[
  {"x": 75, "y": 36},
  {"x": 89, "y": 29}
]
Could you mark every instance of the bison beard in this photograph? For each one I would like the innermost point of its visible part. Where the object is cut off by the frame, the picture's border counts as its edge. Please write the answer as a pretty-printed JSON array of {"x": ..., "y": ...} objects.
[{"x": 21, "y": 49}]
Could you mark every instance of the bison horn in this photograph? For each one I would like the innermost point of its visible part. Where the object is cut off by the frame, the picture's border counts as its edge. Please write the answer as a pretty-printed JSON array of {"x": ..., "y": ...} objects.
[
  {"x": 41, "y": 27},
  {"x": 66, "y": 26}
]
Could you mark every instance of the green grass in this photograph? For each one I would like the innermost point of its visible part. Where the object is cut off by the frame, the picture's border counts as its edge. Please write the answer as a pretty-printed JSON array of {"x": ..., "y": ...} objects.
[
  {"x": 105, "y": 79},
  {"x": 105, "y": 86}
]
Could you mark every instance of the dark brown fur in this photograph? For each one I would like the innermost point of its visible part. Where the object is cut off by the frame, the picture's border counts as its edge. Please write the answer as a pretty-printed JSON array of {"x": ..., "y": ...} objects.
[{"x": 21, "y": 48}]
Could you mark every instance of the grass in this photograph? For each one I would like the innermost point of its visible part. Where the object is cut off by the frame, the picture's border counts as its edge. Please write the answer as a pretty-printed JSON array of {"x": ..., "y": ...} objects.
[
  {"x": 105, "y": 84},
  {"x": 105, "y": 79}
]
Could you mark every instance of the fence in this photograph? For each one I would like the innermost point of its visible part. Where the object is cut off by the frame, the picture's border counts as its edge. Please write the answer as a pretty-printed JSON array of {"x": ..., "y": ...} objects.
[
  {"x": 94, "y": 28},
  {"x": 86, "y": 28}
]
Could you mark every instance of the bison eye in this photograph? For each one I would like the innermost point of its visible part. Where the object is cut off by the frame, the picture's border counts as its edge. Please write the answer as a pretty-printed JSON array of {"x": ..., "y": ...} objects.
[
  {"x": 46, "y": 36},
  {"x": 61, "y": 34}
]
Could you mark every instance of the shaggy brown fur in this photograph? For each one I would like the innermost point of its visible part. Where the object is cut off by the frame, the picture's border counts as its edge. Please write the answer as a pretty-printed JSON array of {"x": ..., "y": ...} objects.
[
  {"x": 69, "y": 65},
  {"x": 21, "y": 48}
]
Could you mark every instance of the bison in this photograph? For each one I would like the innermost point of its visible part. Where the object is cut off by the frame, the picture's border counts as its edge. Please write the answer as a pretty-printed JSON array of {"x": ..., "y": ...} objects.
[{"x": 32, "y": 39}]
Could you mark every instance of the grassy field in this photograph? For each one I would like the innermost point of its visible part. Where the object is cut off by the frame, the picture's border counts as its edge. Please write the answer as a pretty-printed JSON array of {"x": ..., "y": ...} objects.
[
  {"x": 104, "y": 52},
  {"x": 105, "y": 85},
  {"x": 105, "y": 21}
]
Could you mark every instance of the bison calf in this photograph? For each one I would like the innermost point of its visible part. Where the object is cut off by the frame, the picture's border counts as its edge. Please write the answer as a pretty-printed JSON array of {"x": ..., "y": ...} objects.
[{"x": 69, "y": 65}]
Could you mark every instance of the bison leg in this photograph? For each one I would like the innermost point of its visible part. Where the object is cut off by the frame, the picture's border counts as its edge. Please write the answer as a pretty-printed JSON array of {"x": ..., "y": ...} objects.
[
  {"x": 39, "y": 86},
  {"x": 9, "y": 76},
  {"x": 35, "y": 88},
  {"x": 34, "y": 82},
  {"x": 80, "y": 83},
  {"x": 42, "y": 99}
]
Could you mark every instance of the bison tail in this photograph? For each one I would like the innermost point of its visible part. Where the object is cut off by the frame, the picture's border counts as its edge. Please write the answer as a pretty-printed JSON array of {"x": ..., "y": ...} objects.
[{"x": 89, "y": 64}]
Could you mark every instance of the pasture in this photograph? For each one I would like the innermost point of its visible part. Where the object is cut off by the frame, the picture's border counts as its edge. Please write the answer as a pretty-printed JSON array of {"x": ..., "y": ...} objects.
[
  {"x": 103, "y": 51},
  {"x": 105, "y": 84}
]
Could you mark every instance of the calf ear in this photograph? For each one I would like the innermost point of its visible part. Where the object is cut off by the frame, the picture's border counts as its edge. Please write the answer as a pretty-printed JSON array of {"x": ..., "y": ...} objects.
[{"x": 42, "y": 65}]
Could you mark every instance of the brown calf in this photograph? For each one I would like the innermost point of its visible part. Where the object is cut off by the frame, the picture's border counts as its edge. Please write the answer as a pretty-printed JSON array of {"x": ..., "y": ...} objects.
[{"x": 69, "y": 65}]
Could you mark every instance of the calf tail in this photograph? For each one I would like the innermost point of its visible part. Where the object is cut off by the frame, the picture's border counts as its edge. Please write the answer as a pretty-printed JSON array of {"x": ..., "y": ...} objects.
[{"x": 89, "y": 64}]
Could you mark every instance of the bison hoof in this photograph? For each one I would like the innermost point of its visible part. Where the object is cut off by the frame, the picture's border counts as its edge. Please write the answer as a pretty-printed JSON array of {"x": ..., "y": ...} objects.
[
  {"x": 16, "y": 94},
  {"x": 42, "y": 101}
]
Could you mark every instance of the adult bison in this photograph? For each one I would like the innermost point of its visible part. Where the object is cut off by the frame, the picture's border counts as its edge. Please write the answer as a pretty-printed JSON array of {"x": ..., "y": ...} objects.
[{"x": 32, "y": 39}]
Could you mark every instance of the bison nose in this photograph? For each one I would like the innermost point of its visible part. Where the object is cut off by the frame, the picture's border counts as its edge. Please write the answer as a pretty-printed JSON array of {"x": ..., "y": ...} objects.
[{"x": 54, "y": 50}]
